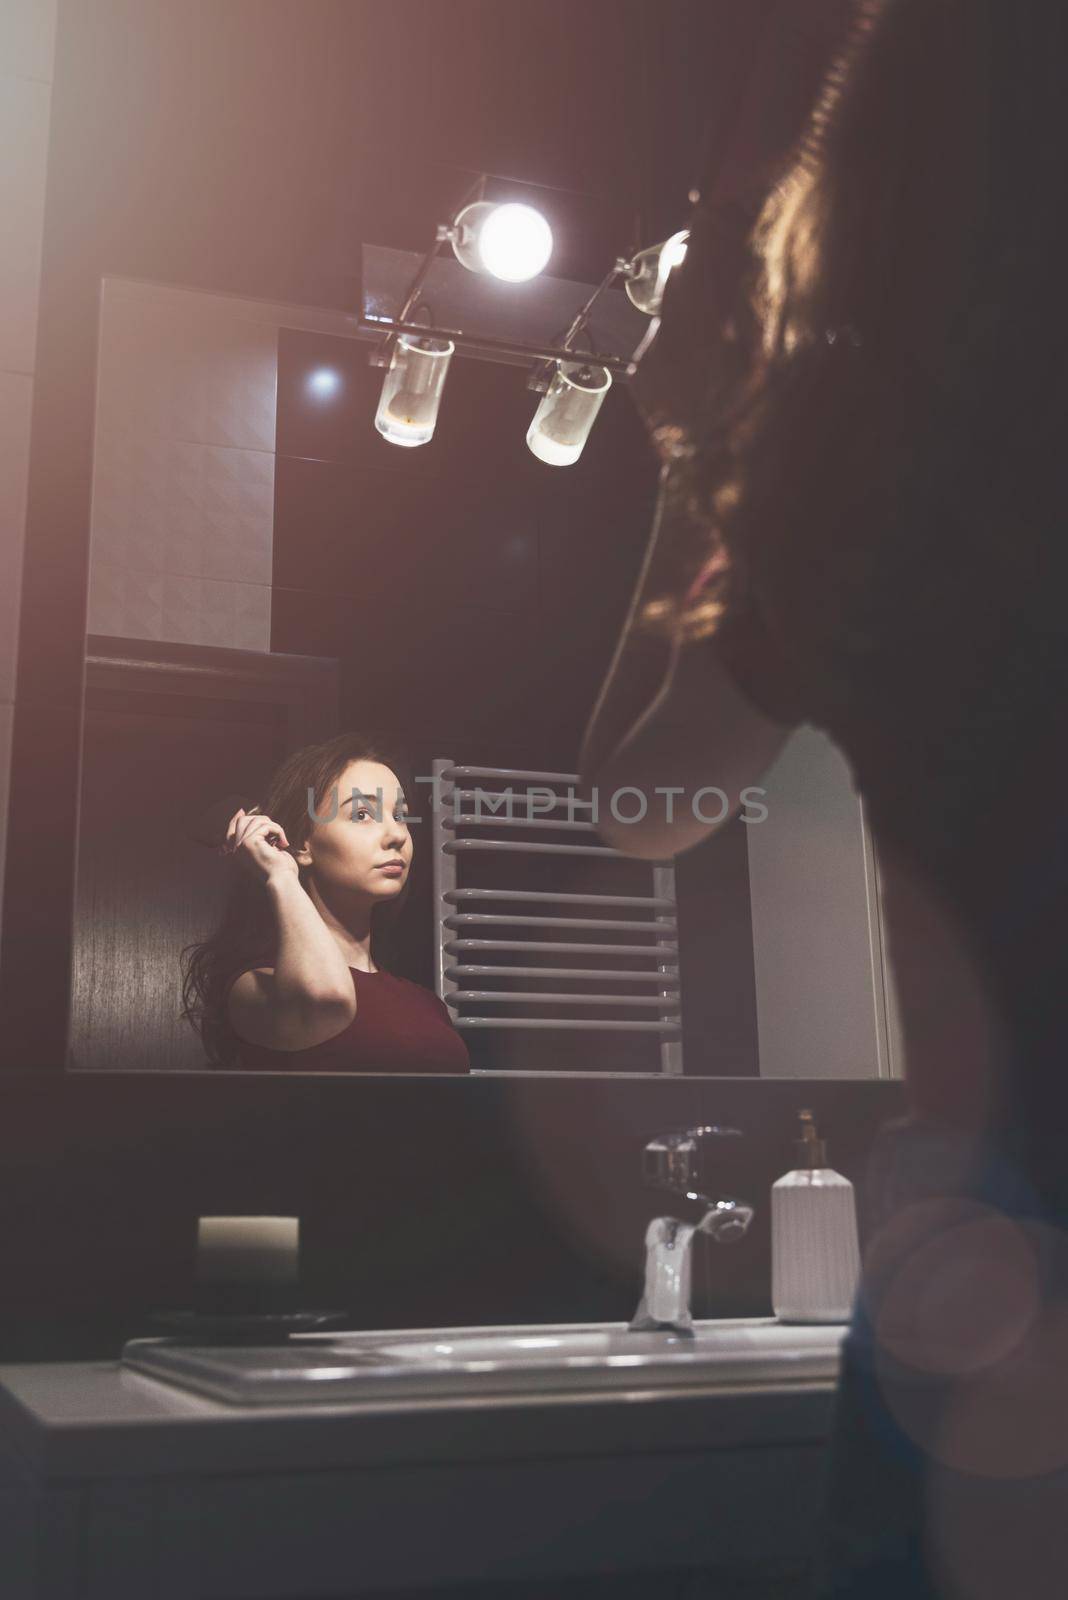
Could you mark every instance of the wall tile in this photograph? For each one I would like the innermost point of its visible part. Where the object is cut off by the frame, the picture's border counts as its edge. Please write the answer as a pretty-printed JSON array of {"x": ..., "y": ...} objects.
[
  {"x": 252, "y": 616},
  {"x": 28, "y": 38},
  {"x": 16, "y": 400},
  {"x": 183, "y": 483},
  {"x": 212, "y": 611},
  {"x": 24, "y": 112},
  {"x": 125, "y": 603},
  {"x": 340, "y": 526},
  {"x": 180, "y": 609},
  {"x": 238, "y": 514},
  {"x": 306, "y": 622},
  {"x": 146, "y": 493},
  {"x": 168, "y": 505},
  {"x": 186, "y": 368}
]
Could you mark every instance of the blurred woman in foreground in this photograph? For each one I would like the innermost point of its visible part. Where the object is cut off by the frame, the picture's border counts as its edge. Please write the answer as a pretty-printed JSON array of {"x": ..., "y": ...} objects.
[{"x": 856, "y": 408}]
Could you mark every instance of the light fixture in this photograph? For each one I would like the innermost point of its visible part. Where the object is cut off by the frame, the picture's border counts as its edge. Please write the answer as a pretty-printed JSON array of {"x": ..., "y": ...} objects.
[
  {"x": 561, "y": 424},
  {"x": 408, "y": 406},
  {"x": 646, "y": 274},
  {"x": 510, "y": 241}
]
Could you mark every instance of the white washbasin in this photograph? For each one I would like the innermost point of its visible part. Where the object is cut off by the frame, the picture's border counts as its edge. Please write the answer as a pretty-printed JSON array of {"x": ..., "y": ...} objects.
[
  {"x": 412, "y": 1364},
  {"x": 749, "y": 1346}
]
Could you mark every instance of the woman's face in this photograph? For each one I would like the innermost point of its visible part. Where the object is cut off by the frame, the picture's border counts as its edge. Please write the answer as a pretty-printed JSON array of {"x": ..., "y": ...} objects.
[{"x": 353, "y": 849}]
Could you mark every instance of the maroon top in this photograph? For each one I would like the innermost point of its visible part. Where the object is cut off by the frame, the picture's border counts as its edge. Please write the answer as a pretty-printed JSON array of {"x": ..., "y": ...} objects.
[{"x": 399, "y": 1027}]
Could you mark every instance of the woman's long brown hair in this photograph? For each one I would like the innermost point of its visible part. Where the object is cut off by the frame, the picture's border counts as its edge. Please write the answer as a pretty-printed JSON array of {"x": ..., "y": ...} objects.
[
  {"x": 887, "y": 354},
  {"x": 247, "y": 930}
]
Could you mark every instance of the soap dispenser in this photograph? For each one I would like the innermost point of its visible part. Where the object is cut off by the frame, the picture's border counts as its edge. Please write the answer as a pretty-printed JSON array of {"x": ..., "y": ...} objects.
[{"x": 815, "y": 1255}]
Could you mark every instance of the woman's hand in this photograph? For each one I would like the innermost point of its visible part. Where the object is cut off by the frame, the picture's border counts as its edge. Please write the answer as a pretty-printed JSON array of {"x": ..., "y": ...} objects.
[{"x": 254, "y": 839}]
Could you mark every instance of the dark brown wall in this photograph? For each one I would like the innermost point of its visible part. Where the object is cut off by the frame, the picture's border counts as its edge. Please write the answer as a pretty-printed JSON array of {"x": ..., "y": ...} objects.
[{"x": 423, "y": 1201}]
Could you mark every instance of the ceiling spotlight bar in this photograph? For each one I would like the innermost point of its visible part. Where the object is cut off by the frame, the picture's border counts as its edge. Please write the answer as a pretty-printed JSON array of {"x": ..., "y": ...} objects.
[
  {"x": 621, "y": 367},
  {"x": 510, "y": 241}
]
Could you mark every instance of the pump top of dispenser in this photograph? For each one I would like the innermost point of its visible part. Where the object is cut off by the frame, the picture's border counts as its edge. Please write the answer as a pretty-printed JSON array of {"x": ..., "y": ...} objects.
[{"x": 811, "y": 1149}]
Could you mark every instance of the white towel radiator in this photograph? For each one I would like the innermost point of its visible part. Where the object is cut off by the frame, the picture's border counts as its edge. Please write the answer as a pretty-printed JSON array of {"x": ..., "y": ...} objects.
[{"x": 467, "y": 926}]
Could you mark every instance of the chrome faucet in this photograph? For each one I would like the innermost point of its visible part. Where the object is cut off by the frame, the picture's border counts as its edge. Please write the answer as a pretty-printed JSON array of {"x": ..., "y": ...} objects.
[{"x": 670, "y": 1162}]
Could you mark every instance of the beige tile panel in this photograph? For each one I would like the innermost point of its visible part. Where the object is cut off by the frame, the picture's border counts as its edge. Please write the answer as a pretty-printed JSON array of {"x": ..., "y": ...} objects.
[
  {"x": 124, "y": 603},
  {"x": 171, "y": 505},
  {"x": 187, "y": 367},
  {"x": 178, "y": 608},
  {"x": 211, "y": 611}
]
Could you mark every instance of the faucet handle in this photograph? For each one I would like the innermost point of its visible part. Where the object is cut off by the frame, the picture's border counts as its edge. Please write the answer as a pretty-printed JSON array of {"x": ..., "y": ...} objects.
[
  {"x": 727, "y": 1221},
  {"x": 669, "y": 1161}
]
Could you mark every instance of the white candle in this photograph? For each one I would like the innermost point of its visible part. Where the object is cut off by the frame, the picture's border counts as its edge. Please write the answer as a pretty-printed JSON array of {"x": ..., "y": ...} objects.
[{"x": 248, "y": 1250}]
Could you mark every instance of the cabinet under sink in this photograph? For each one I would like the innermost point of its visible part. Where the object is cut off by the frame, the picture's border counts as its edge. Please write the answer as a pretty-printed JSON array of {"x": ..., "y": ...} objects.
[{"x": 543, "y": 1454}]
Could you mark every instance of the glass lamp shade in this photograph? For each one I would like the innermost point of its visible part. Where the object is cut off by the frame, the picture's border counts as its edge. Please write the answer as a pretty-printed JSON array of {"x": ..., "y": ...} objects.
[
  {"x": 561, "y": 425},
  {"x": 510, "y": 241},
  {"x": 649, "y": 271},
  {"x": 411, "y": 390}
]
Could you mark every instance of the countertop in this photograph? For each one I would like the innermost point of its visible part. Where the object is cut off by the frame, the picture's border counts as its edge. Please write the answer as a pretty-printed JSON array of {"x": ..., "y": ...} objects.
[{"x": 99, "y": 1419}]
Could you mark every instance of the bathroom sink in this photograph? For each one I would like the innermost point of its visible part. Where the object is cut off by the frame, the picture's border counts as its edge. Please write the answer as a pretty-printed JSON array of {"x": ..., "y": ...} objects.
[
  {"x": 412, "y": 1364},
  {"x": 744, "y": 1346}
]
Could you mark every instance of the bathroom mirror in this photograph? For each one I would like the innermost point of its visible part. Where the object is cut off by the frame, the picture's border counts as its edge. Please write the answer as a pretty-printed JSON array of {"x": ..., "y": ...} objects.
[{"x": 264, "y": 569}]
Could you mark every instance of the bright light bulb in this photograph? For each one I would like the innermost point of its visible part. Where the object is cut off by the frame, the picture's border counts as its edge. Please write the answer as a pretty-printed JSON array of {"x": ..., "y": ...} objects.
[{"x": 515, "y": 242}]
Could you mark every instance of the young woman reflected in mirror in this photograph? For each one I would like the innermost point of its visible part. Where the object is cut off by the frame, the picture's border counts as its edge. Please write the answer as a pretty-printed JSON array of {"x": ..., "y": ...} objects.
[{"x": 293, "y": 979}]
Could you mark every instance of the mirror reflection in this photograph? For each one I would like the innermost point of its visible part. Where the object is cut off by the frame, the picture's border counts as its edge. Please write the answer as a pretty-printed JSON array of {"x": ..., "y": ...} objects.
[
  {"x": 290, "y": 977},
  {"x": 286, "y": 608}
]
